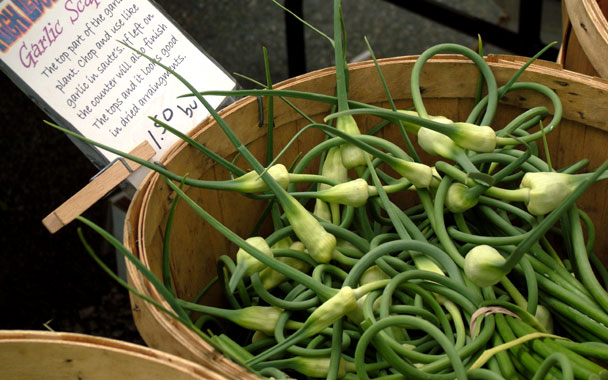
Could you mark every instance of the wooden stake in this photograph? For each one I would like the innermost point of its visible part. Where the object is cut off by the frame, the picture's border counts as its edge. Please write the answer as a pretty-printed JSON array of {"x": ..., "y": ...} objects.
[{"x": 96, "y": 189}]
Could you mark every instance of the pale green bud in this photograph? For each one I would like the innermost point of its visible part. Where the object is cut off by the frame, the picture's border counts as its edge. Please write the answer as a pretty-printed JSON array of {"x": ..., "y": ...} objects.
[
  {"x": 322, "y": 210},
  {"x": 411, "y": 127},
  {"x": 547, "y": 190},
  {"x": 458, "y": 198},
  {"x": 474, "y": 137},
  {"x": 330, "y": 311},
  {"x": 352, "y": 156},
  {"x": 246, "y": 264},
  {"x": 316, "y": 367},
  {"x": 437, "y": 144},
  {"x": 436, "y": 180},
  {"x": 420, "y": 175},
  {"x": 271, "y": 278},
  {"x": 283, "y": 243},
  {"x": 372, "y": 274},
  {"x": 348, "y": 245},
  {"x": 251, "y": 182},
  {"x": 347, "y": 124},
  {"x": 352, "y": 193},
  {"x": 544, "y": 317},
  {"x": 333, "y": 168},
  {"x": 298, "y": 246},
  {"x": 483, "y": 265},
  {"x": 260, "y": 318},
  {"x": 319, "y": 243},
  {"x": 258, "y": 336},
  {"x": 250, "y": 263},
  {"x": 441, "y": 119}
]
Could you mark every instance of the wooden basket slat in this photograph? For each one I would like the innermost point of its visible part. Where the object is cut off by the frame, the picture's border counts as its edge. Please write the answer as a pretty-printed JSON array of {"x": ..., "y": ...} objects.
[
  {"x": 586, "y": 44},
  {"x": 33, "y": 355}
]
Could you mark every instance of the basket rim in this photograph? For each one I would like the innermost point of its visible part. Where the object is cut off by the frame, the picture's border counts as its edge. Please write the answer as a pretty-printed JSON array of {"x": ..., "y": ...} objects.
[
  {"x": 591, "y": 29},
  {"x": 107, "y": 345}
]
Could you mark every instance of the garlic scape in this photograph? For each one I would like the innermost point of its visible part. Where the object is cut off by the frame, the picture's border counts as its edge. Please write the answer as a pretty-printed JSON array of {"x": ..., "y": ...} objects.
[
  {"x": 459, "y": 198},
  {"x": 352, "y": 156},
  {"x": 465, "y": 195},
  {"x": 336, "y": 307},
  {"x": 438, "y": 144},
  {"x": 371, "y": 275},
  {"x": 315, "y": 367},
  {"x": 548, "y": 189},
  {"x": 246, "y": 265},
  {"x": 353, "y": 193},
  {"x": 322, "y": 210},
  {"x": 483, "y": 265},
  {"x": 344, "y": 302},
  {"x": 473, "y": 137},
  {"x": 420, "y": 175},
  {"x": 251, "y": 182},
  {"x": 259, "y": 318},
  {"x": 486, "y": 266},
  {"x": 333, "y": 169},
  {"x": 319, "y": 243},
  {"x": 271, "y": 278}
]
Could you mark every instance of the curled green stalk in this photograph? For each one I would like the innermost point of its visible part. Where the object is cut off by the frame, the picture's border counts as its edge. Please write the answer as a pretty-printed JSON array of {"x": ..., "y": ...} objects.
[
  {"x": 492, "y": 270},
  {"x": 322, "y": 317},
  {"x": 552, "y": 360},
  {"x": 492, "y": 97},
  {"x": 246, "y": 265},
  {"x": 324, "y": 291}
]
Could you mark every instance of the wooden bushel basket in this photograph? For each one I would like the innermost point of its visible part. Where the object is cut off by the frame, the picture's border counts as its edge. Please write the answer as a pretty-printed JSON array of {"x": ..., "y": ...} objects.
[
  {"x": 585, "y": 37},
  {"x": 449, "y": 83},
  {"x": 35, "y": 355}
]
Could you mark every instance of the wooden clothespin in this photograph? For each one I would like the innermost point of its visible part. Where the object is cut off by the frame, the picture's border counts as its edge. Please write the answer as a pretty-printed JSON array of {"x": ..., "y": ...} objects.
[{"x": 102, "y": 184}]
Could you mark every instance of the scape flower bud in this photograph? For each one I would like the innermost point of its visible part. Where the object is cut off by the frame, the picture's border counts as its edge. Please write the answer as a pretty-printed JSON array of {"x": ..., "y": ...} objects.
[
  {"x": 474, "y": 137},
  {"x": 246, "y": 265},
  {"x": 333, "y": 168},
  {"x": 414, "y": 128},
  {"x": 420, "y": 175},
  {"x": 437, "y": 144},
  {"x": 372, "y": 274},
  {"x": 251, "y": 264},
  {"x": 483, "y": 265},
  {"x": 322, "y": 210},
  {"x": 353, "y": 193},
  {"x": 547, "y": 190},
  {"x": 544, "y": 317},
  {"x": 352, "y": 156},
  {"x": 330, "y": 311},
  {"x": 251, "y": 182},
  {"x": 316, "y": 367},
  {"x": 259, "y": 318},
  {"x": 271, "y": 278},
  {"x": 459, "y": 199},
  {"x": 319, "y": 243}
]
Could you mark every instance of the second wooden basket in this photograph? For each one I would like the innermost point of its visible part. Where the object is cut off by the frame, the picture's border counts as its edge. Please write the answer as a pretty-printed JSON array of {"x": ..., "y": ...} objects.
[{"x": 36, "y": 355}]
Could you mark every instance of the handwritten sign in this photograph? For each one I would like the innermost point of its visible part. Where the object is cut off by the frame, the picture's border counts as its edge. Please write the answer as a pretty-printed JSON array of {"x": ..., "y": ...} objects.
[{"x": 66, "y": 54}]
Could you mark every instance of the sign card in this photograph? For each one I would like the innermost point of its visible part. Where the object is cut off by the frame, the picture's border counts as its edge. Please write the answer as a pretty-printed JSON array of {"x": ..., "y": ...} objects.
[{"x": 65, "y": 54}]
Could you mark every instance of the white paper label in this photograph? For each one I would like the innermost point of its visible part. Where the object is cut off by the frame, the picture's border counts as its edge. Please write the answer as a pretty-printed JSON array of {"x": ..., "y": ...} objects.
[{"x": 67, "y": 52}]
